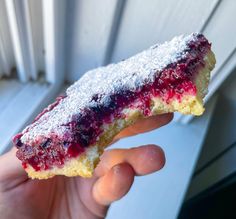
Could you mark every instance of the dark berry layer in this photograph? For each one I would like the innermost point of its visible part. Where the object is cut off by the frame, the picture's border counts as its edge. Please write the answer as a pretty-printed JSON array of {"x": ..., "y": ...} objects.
[{"x": 174, "y": 81}]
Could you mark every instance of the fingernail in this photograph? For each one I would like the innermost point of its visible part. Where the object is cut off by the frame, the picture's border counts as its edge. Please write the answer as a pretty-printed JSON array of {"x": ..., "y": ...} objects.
[{"x": 116, "y": 169}]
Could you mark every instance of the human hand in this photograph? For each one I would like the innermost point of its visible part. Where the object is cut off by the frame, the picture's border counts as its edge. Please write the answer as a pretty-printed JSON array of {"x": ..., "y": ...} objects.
[{"x": 77, "y": 197}]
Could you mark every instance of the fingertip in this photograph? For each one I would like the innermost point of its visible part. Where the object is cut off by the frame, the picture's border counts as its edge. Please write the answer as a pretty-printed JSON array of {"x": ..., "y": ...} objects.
[
  {"x": 114, "y": 185},
  {"x": 155, "y": 157},
  {"x": 143, "y": 159},
  {"x": 147, "y": 159}
]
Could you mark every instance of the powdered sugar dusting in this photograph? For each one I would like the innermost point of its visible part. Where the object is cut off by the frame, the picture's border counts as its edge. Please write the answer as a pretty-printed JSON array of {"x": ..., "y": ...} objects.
[{"x": 129, "y": 74}]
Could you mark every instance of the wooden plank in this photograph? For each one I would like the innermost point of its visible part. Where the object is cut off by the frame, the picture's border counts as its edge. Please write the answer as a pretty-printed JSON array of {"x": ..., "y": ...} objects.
[
  {"x": 223, "y": 125},
  {"x": 148, "y": 22},
  {"x": 88, "y": 35},
  {"x": 1, "y": 69},
  {"x": 114, "y": 31},
  {"x": 217, "y": 159},
  {"x": 28, "y": 35},
  {"x": 211, "y": 14},
  {"x": 4, "y": 64},
  {"x": 36, "y": 16},
  {"x": 220, "y": 169},
  {"x": 7, "y": 59},
  {"x": 54, "y": 32},
  {"x": 15, "y": 13},
  {"x": 221, "y": 32}
]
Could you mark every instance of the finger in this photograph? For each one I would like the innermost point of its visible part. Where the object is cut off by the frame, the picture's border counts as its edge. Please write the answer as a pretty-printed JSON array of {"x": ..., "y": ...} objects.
[
  {"x": 11, "y": 171},
  {"x": 114, "y": 185},
  {"x": 146, "y": 125},
  {"x": 143, "y": 159}
]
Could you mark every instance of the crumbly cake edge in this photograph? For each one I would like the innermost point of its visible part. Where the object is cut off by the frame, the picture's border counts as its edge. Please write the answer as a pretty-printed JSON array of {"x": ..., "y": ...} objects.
[{"x": 86, "y": 162}]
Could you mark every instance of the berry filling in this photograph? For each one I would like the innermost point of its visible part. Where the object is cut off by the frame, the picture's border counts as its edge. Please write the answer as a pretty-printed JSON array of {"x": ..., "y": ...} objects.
[{"x": 85, "y": 128}]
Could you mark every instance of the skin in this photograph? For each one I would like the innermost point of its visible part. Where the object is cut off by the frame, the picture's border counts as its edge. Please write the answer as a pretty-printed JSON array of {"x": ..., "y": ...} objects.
[{"x": 76, "y": 197}]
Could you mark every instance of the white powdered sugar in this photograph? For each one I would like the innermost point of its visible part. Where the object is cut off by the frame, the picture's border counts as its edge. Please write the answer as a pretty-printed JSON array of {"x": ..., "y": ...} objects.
[{"x": 129, "y": 74}]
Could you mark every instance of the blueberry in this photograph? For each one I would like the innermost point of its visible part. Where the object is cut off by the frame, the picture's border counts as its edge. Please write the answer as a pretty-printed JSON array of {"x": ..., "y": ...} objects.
[
  {"x": 19, "y": 143},
  {"x": 46, "y": 143},
  {"x": 66, "y": 144}
]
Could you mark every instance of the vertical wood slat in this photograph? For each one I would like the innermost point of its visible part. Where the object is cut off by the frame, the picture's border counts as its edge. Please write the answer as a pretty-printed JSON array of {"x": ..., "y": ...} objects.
[
  {"x": 92, "y": 28},
  {"x": 145, "y": 23},
  {"x": 54, "y": 30},
  {"x": 6, "y": 50},
  {"x": 221, "y": 31},
  {"x": 16, "y": 40},
  {"x": 211, "y": 14},
  {"x": 36, "y": 14},
  {"x": 21, "y": 33},
  {"x": 116, "y": 20},
  {"x": 5, "y": 66},
  {"x": 30, "y": 58},
  {"x": 3, "y": 69}
]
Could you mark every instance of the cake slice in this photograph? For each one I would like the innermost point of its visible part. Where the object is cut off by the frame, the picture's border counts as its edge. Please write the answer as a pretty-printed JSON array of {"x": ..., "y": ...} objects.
[{"x": 68, "y": 137}]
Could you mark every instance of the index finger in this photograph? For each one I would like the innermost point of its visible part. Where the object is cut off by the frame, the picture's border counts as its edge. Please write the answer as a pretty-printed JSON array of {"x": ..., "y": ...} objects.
[{"x": 145, "y": 125}]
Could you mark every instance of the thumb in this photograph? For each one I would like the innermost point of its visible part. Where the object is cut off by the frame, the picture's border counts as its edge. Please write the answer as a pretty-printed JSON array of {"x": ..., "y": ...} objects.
[{"x": 11, "y": 170}]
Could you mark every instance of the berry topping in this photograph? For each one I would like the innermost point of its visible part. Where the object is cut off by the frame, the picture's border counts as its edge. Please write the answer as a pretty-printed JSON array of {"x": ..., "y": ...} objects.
[{"x": 75, "y": 121}]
